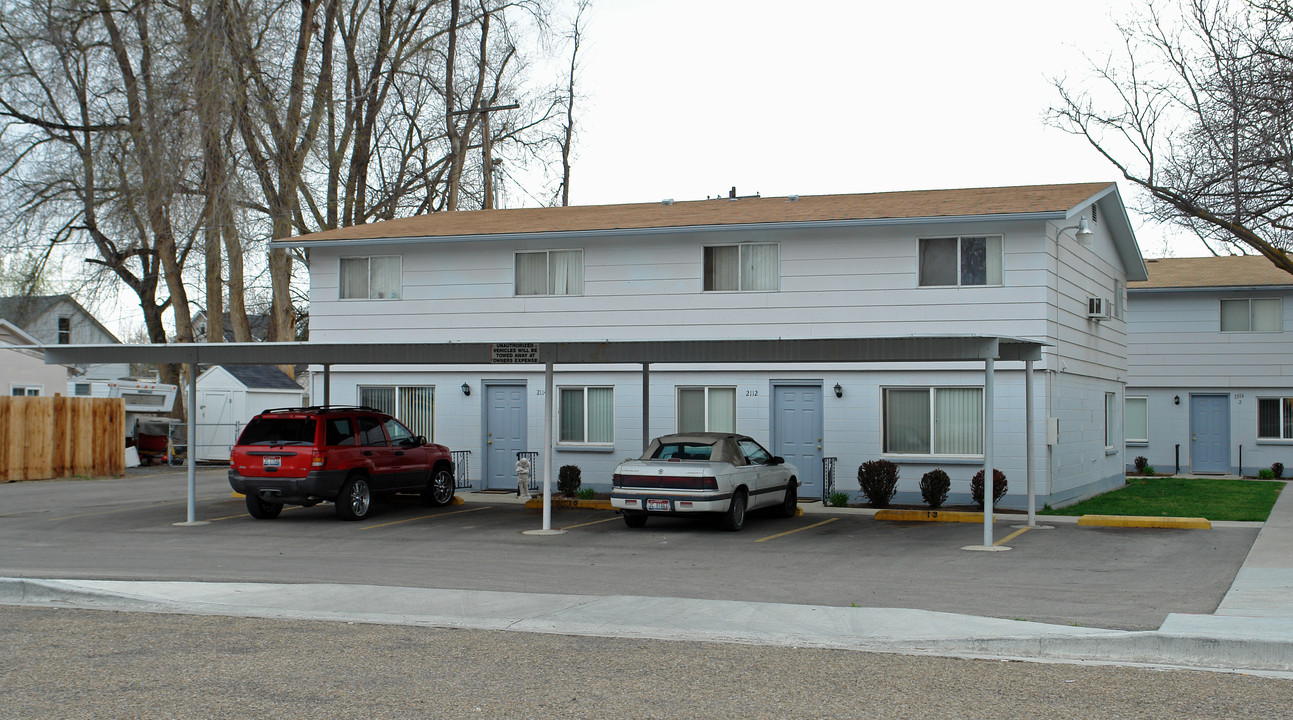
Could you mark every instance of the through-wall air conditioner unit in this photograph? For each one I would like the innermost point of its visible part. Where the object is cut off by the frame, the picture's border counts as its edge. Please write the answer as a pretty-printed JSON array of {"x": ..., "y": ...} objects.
[{"x": 1098, "y": 308}]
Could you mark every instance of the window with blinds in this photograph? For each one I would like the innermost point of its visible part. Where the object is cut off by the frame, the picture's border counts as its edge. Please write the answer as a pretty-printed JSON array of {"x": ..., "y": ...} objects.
[
  {"x": 706, "y": 409},
  {"x": 933, "y": 421},
  {"x": 550, "y": 272},
  {"x": 586, "y": 416},
  {"x": 413, "y": 405},
  {"x": 748, "y": 267},
  {"x": 370, "y": 278}
]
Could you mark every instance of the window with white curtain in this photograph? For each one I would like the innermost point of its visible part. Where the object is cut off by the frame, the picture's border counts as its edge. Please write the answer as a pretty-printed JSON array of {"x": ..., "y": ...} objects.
[
  {"x": 706, "y": 409},
  {"x": 550, "y": 272},
  {"x": 371, "y": 278},
  {"x": 749, "y": 267},
  {"x": 960, "y": 261},
  {"x": 933, "y": 421},
  {"x": 413, "y": 405},
  {"x": 1135, "y": 420},
  {"x": 587, "y": 415},
  {"x": 1252, "y": 315}
]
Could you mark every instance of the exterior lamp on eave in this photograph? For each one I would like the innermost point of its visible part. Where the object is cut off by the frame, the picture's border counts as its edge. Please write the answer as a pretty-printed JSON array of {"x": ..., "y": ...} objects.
[{"x": 1083, "y": 234}]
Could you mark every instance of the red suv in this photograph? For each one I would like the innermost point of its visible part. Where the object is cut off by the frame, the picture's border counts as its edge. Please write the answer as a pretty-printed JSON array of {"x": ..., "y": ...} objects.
[{"x": 344, "y": 455}]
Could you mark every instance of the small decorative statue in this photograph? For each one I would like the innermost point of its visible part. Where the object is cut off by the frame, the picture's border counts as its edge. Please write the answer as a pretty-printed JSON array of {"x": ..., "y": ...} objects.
[{"x": 522, "y": 477}]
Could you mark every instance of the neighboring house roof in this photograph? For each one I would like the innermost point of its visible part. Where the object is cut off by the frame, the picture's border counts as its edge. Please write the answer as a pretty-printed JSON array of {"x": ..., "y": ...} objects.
[
  {"x": 918, "y": 204},
  {"x": 1231, "y": 271},
  {"x": 11, "y": 334},
  {"x": 261, "y": 377},
  {"x": 23, "y": 310},
  {"x": 258, "y": 323}
]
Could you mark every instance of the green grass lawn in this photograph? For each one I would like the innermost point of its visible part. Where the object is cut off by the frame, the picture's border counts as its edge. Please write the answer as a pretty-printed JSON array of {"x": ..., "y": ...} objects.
[{"x": 1182, "y": 497}]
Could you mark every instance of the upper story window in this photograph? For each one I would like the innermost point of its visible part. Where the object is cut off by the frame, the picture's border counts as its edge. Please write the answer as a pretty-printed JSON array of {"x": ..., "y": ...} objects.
[
  {"x": 1252, "y": 315},
  {"x": 65, "y": 330},
  {"x": 951, "y": 261},
  {"x": 371, "y": 278},
  {"x": 550, "y": 272},
  {"x": 751, "y": 267}
]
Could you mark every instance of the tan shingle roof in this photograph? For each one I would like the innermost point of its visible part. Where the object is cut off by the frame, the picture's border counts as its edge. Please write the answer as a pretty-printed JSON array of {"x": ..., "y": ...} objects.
[
  {"x": 1202, "y": 272},
  {"x": 913, "y": 204}
]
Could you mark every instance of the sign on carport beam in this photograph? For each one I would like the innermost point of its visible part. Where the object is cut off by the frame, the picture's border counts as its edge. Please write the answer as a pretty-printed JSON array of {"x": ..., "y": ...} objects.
[{"x": 514, "y": 353}]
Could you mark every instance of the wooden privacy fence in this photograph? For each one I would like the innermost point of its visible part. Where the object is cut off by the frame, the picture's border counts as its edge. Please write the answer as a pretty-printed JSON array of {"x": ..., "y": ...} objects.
[{"x": 51, "y": 437}]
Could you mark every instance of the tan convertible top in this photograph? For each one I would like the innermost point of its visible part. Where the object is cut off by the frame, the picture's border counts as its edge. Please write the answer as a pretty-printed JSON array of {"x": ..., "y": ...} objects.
[{"x": 725, "y": 445}]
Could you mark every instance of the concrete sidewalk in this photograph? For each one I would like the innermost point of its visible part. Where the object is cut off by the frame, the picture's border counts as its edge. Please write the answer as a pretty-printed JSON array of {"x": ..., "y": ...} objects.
[{"x": 1251, "y": 631}]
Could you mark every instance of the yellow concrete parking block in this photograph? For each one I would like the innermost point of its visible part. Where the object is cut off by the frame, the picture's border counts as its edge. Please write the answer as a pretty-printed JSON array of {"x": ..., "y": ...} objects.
[
  {"x": 1145, "y": 521},
  {"x": 930, "y": 516},
  {"x": 537, "y": 503}
]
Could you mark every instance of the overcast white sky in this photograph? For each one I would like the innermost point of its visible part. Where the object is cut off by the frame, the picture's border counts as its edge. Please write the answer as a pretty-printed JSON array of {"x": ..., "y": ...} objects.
[{"x": 686, "y": 98}]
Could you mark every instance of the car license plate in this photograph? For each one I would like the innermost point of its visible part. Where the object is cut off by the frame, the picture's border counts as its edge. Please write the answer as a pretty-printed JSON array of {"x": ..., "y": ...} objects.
[
  {"x": 658, "y": 505},
  {"x": 272, "y": 462}
]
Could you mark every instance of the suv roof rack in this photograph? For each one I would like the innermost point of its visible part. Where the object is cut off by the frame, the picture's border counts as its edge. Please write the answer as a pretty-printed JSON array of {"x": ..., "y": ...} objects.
[{"x": 319, "y": 408}]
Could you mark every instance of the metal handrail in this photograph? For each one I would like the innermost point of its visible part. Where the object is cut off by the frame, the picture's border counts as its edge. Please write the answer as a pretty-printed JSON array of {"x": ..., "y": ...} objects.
[
  {"x": 828, "y": 478},
  {"x": 461, "y": 468}
]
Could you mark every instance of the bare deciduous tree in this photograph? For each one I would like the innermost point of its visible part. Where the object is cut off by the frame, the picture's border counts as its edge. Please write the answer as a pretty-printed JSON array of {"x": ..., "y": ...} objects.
[{"x": 1199, "y": 113}]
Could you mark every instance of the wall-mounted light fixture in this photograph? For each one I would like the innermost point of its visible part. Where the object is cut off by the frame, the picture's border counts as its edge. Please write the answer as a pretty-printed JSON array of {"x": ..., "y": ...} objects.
[
  {"x": 1176, "y": 400},
  {"x": 839, "y": 391},
  {"x": 1083, "y": 234},
  {"x": 466, "y": 389}
]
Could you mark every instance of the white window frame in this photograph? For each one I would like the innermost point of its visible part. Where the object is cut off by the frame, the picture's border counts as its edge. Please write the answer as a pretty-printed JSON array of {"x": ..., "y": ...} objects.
[
  {"x": 1286, "y": 422},
  {"x": 550, "y": 289},
  {"x": 420, "y": 426},
  {"x": 1127, "y": 438},
  {"x": 932, "y": 393},
  {"x": 742, "y": 280},
  {"x": 1110, "y": 417},
  {"x": 584, "y": 441},
  {"x": 960, "y": 282},
  {"x": 373, "y": 293},
  {"x": 1279, "y": 319},
  {"x": 705, "y": 393},
  {"x": 26, "y": 390}
]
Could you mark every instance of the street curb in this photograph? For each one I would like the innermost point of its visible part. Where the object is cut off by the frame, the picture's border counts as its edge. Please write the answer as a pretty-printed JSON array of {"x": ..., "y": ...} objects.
[
  {"x": 957, "y": 516},
  {"x": 1178, "y": 523}
]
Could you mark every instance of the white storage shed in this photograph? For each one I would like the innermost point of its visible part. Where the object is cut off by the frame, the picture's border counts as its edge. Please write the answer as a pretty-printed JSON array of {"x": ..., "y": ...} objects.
[{"x": 230, "y": 395}]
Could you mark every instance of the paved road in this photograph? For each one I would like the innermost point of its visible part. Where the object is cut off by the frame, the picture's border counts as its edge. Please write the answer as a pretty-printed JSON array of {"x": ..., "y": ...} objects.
[
  {"x": 1110, "y": 578},
  {"x": 92, "y": 664}
]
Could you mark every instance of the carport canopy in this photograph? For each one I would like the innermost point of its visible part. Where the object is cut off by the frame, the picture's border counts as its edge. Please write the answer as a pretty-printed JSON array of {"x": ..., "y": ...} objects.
[{"x": 926, "y": 349}]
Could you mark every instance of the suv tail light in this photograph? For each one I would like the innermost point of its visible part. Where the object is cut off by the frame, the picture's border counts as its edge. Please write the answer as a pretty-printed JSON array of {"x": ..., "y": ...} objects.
[{"x": 316, "y": 459}]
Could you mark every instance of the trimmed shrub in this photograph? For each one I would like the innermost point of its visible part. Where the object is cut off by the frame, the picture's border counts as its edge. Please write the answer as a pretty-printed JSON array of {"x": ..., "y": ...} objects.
[
  {"x": 1149, "y": 471},
  {"x": 1266, "y": 474},
  {"x": 1277, "y": 469},
  {"x": 1141, "y": 462},
  {"x": 568, "y": 480},
  {"x": 838, "y": 499},
  {"x": 879, "y": 481},
  {"x": 998, "y": 487},
  {"x": 934, "y": 486}
]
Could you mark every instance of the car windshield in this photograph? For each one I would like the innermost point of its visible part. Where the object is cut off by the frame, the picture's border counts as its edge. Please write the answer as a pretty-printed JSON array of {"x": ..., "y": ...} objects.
[
  {"x": 278, "y": 431},
  {"x": 683, "y": 451}
]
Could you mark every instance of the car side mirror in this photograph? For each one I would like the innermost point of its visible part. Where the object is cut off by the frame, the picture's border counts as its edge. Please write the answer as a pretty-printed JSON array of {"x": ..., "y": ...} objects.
[{"x": 777, "y": 460}]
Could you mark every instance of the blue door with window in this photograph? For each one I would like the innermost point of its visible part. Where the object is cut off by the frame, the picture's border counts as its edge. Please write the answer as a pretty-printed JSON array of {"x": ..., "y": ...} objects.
[
  {"x": 1210, "y": 433},
  {"x": 505, "y": 436}
]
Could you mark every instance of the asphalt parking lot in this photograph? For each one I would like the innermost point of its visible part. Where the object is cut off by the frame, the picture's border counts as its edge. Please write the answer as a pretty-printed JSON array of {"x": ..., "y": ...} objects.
[{"x": 123, "y": 528}]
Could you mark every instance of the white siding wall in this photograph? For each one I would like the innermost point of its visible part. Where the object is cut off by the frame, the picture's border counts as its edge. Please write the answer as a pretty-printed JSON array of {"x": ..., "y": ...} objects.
[
  {"x": 1178, "y": 350},
  {"x": 834, "y": 283}
]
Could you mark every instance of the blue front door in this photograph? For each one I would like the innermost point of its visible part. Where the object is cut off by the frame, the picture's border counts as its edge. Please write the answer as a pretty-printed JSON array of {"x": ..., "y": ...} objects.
[
  {"x": 1210, "y": 433},
  {"x": 505, "y": 436},
  {"x": 797, "y": 433}
]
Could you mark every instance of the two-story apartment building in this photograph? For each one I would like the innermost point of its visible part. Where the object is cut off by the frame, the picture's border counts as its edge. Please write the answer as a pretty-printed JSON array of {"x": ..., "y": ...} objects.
[
  {"x": 1042, "y": 263},
  {"x": 1210, "y": 365}
]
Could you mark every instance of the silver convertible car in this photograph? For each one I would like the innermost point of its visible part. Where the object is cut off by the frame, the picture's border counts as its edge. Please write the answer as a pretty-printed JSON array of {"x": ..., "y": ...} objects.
[{"x": 720, "y": 473}]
